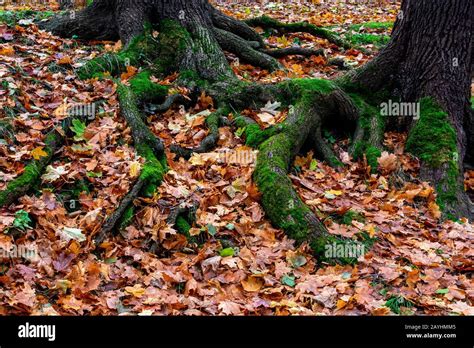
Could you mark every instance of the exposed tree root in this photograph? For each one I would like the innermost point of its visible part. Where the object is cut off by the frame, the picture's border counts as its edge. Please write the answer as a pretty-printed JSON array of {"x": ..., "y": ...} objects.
[
  {"x": 113, "y": 220},
  {"x": 167, "y": 104},
  {"x": 233, "y": 43},
  {"x": 192, "y": 45},
  {"x": 84, "y": 24},
  {"x": 266, "y": 22},
  {"x": 33, "y": 171},
  {"x": 297, "y": 51},
  {"x": 149, "y": 147},
  {"x": 209, "y": 142},
  {"x": 182, "y": 217}
]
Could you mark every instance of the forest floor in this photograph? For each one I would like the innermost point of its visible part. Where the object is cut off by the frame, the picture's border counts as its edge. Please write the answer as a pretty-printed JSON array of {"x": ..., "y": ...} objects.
[{"x": 419, "y": 264}]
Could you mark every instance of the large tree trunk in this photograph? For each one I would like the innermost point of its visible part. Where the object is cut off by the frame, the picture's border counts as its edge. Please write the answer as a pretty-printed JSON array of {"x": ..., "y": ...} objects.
[
  {"x": 209, "y": 28},
  {"x": 431, "y": 55}
]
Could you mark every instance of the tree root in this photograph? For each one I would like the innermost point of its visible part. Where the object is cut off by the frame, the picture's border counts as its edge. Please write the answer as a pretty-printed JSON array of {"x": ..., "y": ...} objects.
[
  {"x": 315, "y": 101},
  {"x": 296, "y": 51},
  {"x": 149, "y": 147},
  {"x": 236, "y": 27},
  {"x": 235, "y": 44},
  {"x": 167, "y": 104},
  {"x": 85, "y": 24},
  {"x": 33, "y": 171},
  {"x": 266, "y": 22},
  {"x": 183, "y": 217},
  {"x": 209, "y": 142},
  {"x": 117, "y": 215}
]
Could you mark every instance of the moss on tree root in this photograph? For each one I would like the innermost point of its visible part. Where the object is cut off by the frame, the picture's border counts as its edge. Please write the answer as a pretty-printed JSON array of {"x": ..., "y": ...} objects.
[
  {"x": 268, "y": 22},
  {"x": 162, "y": 54},
  {"x": 281, "y": 202},
  {"x": 147, "y": 146},
  {"x": 433, "y": 140},
  {"x": 33, "y": 171}
]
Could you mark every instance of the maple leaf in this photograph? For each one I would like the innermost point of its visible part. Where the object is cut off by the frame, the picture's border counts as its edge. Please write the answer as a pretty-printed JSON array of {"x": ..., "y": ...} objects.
[
  {"x": 39, "y": 153},
  {"x": 69, "y": 233},
  {"x": 131, "y": 71},
  {"x": 135, "y": 169},
  {"x": 52, "y": 174},
  {"x": 387, "y": 162}
]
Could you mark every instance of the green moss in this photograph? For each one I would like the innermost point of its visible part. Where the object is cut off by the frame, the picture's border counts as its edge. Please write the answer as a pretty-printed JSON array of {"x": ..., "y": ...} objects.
[
  {"x": 142, "y": 48},
  {"x": 368, "y": 39},
  {"x": 31, "y": 174},
  {"x": 153, "y": 171},
  {"x": 282, "y": 204},
  {"x": 182, "y": 226},
  {"x": 348, "y": 217},
  {"x": 269, "y": 22},
  {"x": 254, "y": 135},
  {"x": 320, "y": 86},
  {"x": 433, "y": 138},
  {"x": 127, "y": 217},
  {"x": 146, "y": 90},
  {"x": 172, "y": 42},
  {"x": 11, "y": 18},
  {"x": 362, "y": 243},
  {"x": 372, "y": 25},
  {"x": 369, "y": 118},
  {"x": 372, "y": 154}
]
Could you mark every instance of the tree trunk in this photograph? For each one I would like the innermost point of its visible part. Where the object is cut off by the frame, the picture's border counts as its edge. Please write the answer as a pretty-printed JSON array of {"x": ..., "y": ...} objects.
[
  {"x": 66, "y": 4},
  {"x": 431, "y": 55}
]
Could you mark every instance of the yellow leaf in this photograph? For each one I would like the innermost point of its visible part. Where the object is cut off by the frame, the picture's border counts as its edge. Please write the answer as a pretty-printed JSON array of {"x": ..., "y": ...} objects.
[
  {"x": 334, "y": 192},
  {"x": 135, "y": 169},
  {"x": 297, "y": 69},
  {"x": 434, "y": 210},
  {"x": 136, "y": 290},
  {"x": 66, "y": 60},
  {"x": 341, "y": 304},
  {"x": 38, "y": 153},
  {"x": 252, "y": 283}
]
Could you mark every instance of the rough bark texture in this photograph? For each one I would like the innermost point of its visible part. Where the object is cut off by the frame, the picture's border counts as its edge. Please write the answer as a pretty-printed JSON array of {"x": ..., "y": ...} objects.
[{"x": 431, "y": 55}]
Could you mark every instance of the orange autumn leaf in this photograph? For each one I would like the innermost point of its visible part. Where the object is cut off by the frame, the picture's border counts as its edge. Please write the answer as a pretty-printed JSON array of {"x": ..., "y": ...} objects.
[
  {"x": 7, "y": 51},
  {"x": 131, "y": 71},
  {"x": 66, "y": 60}
]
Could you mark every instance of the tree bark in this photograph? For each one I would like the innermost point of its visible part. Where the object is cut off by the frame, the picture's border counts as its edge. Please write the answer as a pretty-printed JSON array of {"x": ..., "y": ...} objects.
[{"x": 431, "y": 55}]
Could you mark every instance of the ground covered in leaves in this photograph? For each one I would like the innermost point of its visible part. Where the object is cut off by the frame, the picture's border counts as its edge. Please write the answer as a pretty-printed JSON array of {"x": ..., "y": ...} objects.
[{"x": 237, "y": 263}]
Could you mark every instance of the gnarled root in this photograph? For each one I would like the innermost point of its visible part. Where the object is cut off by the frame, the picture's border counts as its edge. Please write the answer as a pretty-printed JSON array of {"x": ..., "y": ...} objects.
[
  {"x": 209, "y": 142},
  {"x": 33, "y": 171},
  {"x": 314, "y": 105},
  {"x": 304, "y": 27},
  {"x": 149, "y": 147}
]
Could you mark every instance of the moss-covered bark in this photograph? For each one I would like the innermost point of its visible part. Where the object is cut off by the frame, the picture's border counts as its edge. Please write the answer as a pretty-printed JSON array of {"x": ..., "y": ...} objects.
[{"x": 31, "y": 175}]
